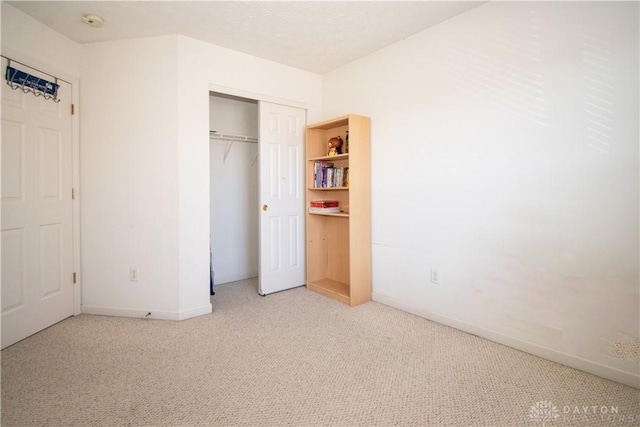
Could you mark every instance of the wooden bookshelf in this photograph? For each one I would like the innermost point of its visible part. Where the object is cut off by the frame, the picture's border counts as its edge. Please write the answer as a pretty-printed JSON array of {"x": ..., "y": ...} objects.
[{"x": 335, "y": 268}]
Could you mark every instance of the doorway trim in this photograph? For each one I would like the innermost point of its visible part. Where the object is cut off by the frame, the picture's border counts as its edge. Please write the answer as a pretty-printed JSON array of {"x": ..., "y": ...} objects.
[
  {"x": 258, "y": 96},
  {"x": 225, "y": 90}
]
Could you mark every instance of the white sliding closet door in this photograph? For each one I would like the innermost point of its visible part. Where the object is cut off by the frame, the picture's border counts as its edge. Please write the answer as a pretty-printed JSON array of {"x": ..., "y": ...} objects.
[{"x": 282, "y": 203}]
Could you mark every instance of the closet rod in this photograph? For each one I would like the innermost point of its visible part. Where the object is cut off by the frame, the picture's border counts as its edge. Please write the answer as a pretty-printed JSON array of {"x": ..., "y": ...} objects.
[{"x": 33, "y": 68}]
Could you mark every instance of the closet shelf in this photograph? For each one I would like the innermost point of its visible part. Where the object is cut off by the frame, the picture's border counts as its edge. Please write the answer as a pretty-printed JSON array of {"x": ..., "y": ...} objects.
[{"x": 230, "y": 139}]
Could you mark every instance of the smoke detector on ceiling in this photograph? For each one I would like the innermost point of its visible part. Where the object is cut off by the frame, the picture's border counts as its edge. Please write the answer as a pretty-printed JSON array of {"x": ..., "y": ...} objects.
[{"x": 94, "y": 21}]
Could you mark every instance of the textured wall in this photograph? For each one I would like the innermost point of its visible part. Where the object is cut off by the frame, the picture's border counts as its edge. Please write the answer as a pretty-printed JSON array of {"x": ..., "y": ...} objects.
[
  {"x": 27, "y": 40},
  {"x": 145, "y": 166},
  {"x": 129, "y": 176},
  {"x": 505, "y": 155}
]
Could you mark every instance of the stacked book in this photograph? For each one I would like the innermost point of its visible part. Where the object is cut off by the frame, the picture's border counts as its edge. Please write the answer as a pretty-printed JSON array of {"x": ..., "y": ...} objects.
[
  {"x": 326, "y": 175},
  {"x": 324, "y": 206}
]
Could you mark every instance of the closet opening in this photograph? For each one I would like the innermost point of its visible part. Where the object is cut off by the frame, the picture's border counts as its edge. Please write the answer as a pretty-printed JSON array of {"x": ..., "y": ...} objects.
[{"x": 234, "y": 188}]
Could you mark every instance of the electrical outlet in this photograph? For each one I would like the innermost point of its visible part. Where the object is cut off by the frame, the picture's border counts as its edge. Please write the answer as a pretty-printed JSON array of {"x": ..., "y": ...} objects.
[
  {"x": 133, "y": 274},
  {"x": 435, "y": 276}
]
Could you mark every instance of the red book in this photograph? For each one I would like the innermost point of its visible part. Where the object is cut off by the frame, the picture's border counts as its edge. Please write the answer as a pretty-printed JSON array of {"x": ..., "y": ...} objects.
[{"x": 324, "y": 204}]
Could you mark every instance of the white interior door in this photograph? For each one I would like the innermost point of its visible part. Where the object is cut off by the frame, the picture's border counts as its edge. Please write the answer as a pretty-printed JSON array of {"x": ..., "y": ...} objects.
[
  {"x": 37, "y": 217},
  {"x": 281, "y": 144}
]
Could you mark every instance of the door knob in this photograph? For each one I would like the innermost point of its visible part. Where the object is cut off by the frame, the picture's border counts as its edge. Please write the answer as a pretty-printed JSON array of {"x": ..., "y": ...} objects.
[{"x": 265, "y": 207}]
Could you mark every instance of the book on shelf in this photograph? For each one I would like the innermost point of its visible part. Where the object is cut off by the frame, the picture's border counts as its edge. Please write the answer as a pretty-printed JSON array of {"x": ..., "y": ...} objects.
[
  {"x": 326, "y": 175},
  {"x": 324, "y": 204}
]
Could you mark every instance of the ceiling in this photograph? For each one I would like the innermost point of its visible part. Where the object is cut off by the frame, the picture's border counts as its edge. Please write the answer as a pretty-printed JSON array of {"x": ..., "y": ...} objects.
[{"x": 316, "y": 36}]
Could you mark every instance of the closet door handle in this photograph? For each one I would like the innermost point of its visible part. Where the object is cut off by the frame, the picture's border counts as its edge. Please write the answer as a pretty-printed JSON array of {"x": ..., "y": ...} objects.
[{"x": 265, "y": 207}]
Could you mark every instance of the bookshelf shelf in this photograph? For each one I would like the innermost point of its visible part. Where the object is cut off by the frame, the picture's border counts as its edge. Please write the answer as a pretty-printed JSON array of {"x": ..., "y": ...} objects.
[
  {"x": 330, "y": 158},
  {"x": 335, "y": 268},
  {"x": 337, "y": 214},
  {"x": 331, "y": 288}
]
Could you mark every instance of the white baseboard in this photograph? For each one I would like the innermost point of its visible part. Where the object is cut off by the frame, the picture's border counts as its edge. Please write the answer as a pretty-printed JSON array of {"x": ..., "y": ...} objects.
[
  {"x": 142, "y": 314},
  {"x": 614, "y": 374},
  {"x": 195, "y": 312}
]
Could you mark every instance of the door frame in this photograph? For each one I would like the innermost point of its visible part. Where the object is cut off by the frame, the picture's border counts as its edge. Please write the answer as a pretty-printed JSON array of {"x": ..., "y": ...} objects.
[
  {"x": 258, "y": 96},
  {"x": 265, "y": 98},
  {"x": 18, "y": 56}
]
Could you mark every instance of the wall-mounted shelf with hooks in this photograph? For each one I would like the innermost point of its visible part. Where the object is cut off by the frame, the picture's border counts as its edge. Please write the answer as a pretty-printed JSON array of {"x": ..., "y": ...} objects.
[{"x": 230, "y": 139}]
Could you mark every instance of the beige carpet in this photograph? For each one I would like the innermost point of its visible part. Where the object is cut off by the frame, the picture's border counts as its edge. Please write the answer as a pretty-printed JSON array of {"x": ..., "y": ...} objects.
[{"x": 292, "y": 358}]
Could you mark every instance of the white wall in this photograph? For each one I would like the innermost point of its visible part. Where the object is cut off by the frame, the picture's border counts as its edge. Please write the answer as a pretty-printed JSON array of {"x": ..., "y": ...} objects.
[
  {"x": 203, "y": 67},
  {"x": 129, "y": 174},
  {"x": 145, "y": 166},
  {"x": 234, "y": 190},
  {"x": 505, "y": 155},
  {"x": 27, "y": 40},
  {"x": 249, "y": 76}
]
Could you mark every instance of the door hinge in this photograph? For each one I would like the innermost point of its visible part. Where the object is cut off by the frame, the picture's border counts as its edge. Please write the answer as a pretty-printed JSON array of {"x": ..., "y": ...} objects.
[
  {"x": 74, "y": 278},
  {"x": 73, "y": 109},
  {"x": 73, "y": 194}
]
